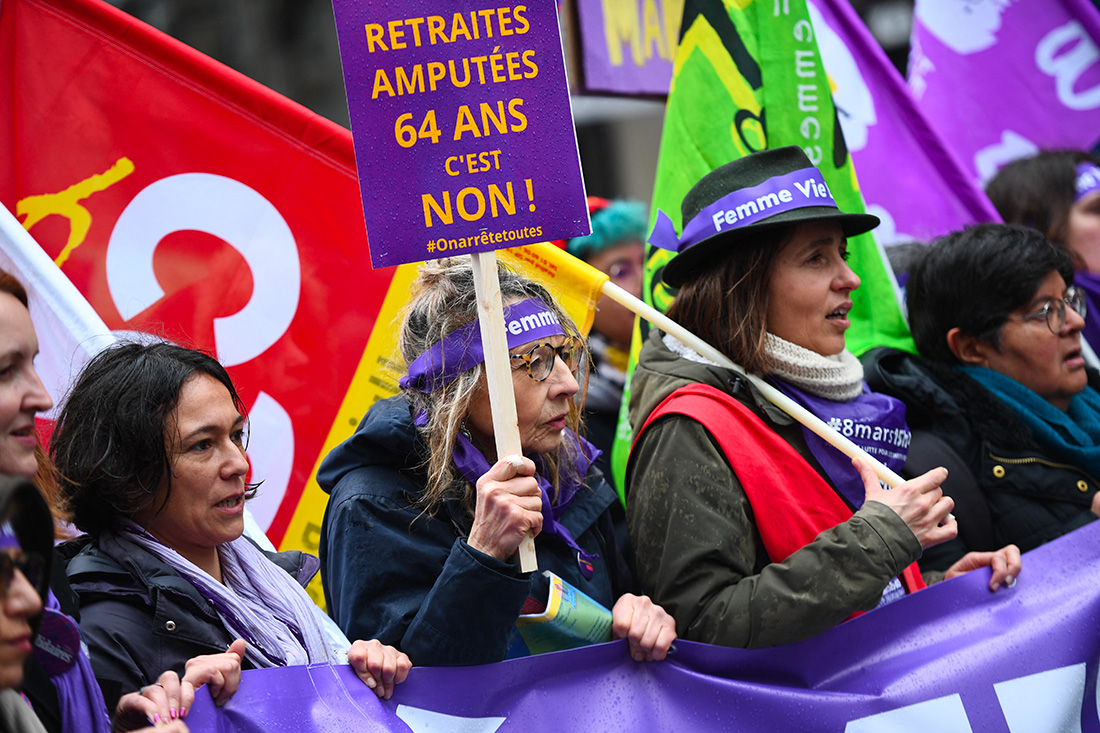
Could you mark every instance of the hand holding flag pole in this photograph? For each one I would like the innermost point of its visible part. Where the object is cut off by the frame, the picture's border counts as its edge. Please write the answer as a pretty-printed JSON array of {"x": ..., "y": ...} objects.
[{"x": 498, "y": 375}]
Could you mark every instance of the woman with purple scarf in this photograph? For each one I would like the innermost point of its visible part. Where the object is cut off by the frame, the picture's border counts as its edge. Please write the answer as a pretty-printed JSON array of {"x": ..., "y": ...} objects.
[
  {"x": 150, "y": 449},
  {"x": 424, "y": 519},
  {"x": 59, "y": 689},
  {"x": 749, "y": 528}
]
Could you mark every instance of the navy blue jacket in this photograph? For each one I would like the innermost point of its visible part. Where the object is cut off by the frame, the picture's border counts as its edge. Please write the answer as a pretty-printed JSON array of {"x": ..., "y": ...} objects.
[
  {"x": 409, "y": 579},
  {"x": 141, "y": 618}
]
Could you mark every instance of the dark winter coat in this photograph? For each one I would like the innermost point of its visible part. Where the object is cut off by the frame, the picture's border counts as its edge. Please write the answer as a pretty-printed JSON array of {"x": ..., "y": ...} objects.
[{"x": 409, "y": 579}]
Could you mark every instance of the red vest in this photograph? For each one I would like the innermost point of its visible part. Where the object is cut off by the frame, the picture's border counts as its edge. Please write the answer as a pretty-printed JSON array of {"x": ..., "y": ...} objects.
[{"x": 791, "y": 502}]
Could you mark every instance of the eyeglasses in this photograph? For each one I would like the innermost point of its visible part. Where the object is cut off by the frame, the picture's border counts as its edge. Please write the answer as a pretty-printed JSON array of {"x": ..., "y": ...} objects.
[
  {"x": 33, "y": 567},
  {"x": 540, "y": 359},
  {"x": 1054, "y": 310}
]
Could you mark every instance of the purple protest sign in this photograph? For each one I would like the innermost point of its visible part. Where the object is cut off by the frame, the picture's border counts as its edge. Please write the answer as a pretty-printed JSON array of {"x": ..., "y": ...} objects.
[
  {"x": 1002, "y": 80},
  {"x": 909, "y": 177},
  {"x": 628, "y": 47},
  {"x": 953, "y": 657},
  {"x": 464, "y": 139}
]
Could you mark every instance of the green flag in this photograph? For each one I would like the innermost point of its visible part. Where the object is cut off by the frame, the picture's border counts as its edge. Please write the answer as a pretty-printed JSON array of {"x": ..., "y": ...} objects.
[{"x": 748, "y": 76}]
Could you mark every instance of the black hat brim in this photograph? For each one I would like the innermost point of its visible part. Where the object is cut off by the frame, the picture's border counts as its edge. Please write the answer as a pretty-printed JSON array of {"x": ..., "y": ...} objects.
[{"x": 689, "y": 263}]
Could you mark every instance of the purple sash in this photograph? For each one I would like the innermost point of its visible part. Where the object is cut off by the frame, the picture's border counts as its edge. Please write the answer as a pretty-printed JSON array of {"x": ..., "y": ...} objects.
[{"x": 873, "y": 421}]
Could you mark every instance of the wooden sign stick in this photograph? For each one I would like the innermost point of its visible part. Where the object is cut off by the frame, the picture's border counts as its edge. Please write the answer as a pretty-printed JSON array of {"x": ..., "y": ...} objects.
[{"x": 498, "y": 375}]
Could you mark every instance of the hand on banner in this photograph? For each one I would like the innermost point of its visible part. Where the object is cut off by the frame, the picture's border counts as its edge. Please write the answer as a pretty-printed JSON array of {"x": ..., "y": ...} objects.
[
  {"x": 509, "y": 505},
  {"x": 1005, "y": 565},
  {"x": 379, "y": 666},
  {"x": 169, "y": 698},
  {"x": 646, "y": 625},
  {"x": 919, "y": 502}
]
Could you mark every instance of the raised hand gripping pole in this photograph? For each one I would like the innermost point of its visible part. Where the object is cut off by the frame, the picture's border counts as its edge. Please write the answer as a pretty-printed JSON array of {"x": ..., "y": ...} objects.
[{"x": 498, "y": 375}]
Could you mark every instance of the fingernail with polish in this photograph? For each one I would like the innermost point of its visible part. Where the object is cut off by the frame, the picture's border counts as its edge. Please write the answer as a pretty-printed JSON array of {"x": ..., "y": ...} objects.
[{"x": 1010, "y": 581}]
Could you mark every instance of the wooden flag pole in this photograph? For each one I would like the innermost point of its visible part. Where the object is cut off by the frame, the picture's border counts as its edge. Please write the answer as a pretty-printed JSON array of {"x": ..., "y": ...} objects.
[{"x": 498, "y": 375}]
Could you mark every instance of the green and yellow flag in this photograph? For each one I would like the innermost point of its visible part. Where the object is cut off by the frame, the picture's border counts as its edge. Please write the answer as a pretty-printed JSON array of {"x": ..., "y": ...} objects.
[{"x": 747, "y": 77}]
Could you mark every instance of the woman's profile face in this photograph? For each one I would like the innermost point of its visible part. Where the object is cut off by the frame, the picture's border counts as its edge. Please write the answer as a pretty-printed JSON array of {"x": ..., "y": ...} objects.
[
  {"x": 21, "y": 392},
  {"x": 19, "y": 603},
  {"x": 205, "y": 440},
  {"x": 809, "y": 294},
  {"x": 1049, "y": 364},
  {"x": 542, "y": 408}
]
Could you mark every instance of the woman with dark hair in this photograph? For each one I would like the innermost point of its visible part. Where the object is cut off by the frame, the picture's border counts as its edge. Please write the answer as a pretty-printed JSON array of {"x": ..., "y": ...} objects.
[
  {"x": 750, "y": 529},
  {"x": 420, "y": 491},
  {"x": 58, "y": 679},
  {"x": 1002, "y": 381},
  {"x": 150, "y": 447},
  {"x": 1057, "y": 192}
]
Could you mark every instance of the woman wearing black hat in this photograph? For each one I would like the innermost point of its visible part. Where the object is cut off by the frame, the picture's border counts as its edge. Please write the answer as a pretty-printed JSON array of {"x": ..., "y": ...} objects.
[{"x": 749, "y": 529}]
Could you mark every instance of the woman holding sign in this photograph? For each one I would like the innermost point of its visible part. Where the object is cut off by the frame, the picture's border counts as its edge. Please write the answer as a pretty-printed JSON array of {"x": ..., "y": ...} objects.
[
  {"x": 424, "y": 519},
  {"x": 751, "y": 530}
]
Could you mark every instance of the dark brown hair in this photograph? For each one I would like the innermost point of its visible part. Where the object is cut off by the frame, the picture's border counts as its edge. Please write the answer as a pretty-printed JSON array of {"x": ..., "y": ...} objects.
[{"x": 727, "y": 304}]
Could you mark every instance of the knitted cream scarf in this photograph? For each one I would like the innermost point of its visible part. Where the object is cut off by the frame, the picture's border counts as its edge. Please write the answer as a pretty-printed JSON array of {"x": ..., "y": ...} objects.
[{"x": 838, "y": 377}]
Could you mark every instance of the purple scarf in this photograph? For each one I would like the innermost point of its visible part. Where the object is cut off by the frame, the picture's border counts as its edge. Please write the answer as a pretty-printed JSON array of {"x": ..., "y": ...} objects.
[
  {"x": 473, "y": 465},
  {"x": 873, "y": 421},
  {"x": 60, "y": 652}
]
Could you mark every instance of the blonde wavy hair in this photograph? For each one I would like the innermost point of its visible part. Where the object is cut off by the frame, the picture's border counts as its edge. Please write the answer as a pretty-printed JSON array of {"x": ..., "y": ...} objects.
[{"x": 443, "y": 300}]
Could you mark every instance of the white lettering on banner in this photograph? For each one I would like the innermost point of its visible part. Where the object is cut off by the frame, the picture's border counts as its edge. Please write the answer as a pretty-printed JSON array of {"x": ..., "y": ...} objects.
[
  {"x": 271, "y": 453},
  {"x": 420, "y": 720},
  {"x": 1068, "y": 67},
  {"x": 1012, "y": 146},
  {"x": 1047, "y": 702},
  {"x": 227, "y": 209},
  {"x": 943, "y": 715}
]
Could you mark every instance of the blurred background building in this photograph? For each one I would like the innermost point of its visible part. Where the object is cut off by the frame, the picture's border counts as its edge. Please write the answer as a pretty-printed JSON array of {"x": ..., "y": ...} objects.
[{"x": 291, "y": 46}]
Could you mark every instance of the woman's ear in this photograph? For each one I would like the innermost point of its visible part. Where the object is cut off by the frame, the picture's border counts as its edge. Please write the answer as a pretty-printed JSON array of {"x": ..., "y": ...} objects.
[{"x": 968, "y": 348}]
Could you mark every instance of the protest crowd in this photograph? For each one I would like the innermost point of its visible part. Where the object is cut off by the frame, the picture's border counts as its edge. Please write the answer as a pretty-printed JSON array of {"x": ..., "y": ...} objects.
[{"x": 132, "y": 584}]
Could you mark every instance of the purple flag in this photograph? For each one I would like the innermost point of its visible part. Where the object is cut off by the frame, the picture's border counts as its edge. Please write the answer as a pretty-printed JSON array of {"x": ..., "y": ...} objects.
[
  {"x": 1001, "y": 80},
  {"x": 628, "y": 47},
  {"x": 954, "y": 657},
  {"x": 908, "y": 176}
]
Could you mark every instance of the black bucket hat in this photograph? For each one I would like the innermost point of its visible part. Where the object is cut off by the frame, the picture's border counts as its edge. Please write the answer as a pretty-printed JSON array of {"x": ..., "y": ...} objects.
[{"x": 743, "y": 198}]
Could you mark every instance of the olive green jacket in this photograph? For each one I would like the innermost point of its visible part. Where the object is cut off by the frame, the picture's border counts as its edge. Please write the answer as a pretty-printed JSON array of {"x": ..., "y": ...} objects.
[{"x": 696, "y": 546}]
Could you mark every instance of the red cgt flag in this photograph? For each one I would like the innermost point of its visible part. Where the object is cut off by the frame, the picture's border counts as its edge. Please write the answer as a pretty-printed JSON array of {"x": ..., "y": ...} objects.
[{"x": 185, "y": 200}]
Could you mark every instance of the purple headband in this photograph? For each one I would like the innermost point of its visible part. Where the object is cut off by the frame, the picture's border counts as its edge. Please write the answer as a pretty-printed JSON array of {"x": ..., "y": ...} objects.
[
  {"x": 460, "y": 350},
  {"x": 1088, "y": 180},
  {"x": 800, "y": 189}
]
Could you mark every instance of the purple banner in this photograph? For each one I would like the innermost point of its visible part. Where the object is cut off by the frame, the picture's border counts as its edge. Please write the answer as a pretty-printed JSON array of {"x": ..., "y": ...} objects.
[
  {"x": 909, "y": 177},
  {"x": 463, "y": 132},
  {"x": 628, "y": 47},
  {"x": 954, "y": 657},
  {"x": 1001, "y": 80}
]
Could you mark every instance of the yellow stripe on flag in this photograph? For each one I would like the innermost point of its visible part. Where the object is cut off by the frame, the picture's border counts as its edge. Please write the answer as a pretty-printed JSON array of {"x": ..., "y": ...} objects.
[{"x": 574, "y": 283}]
